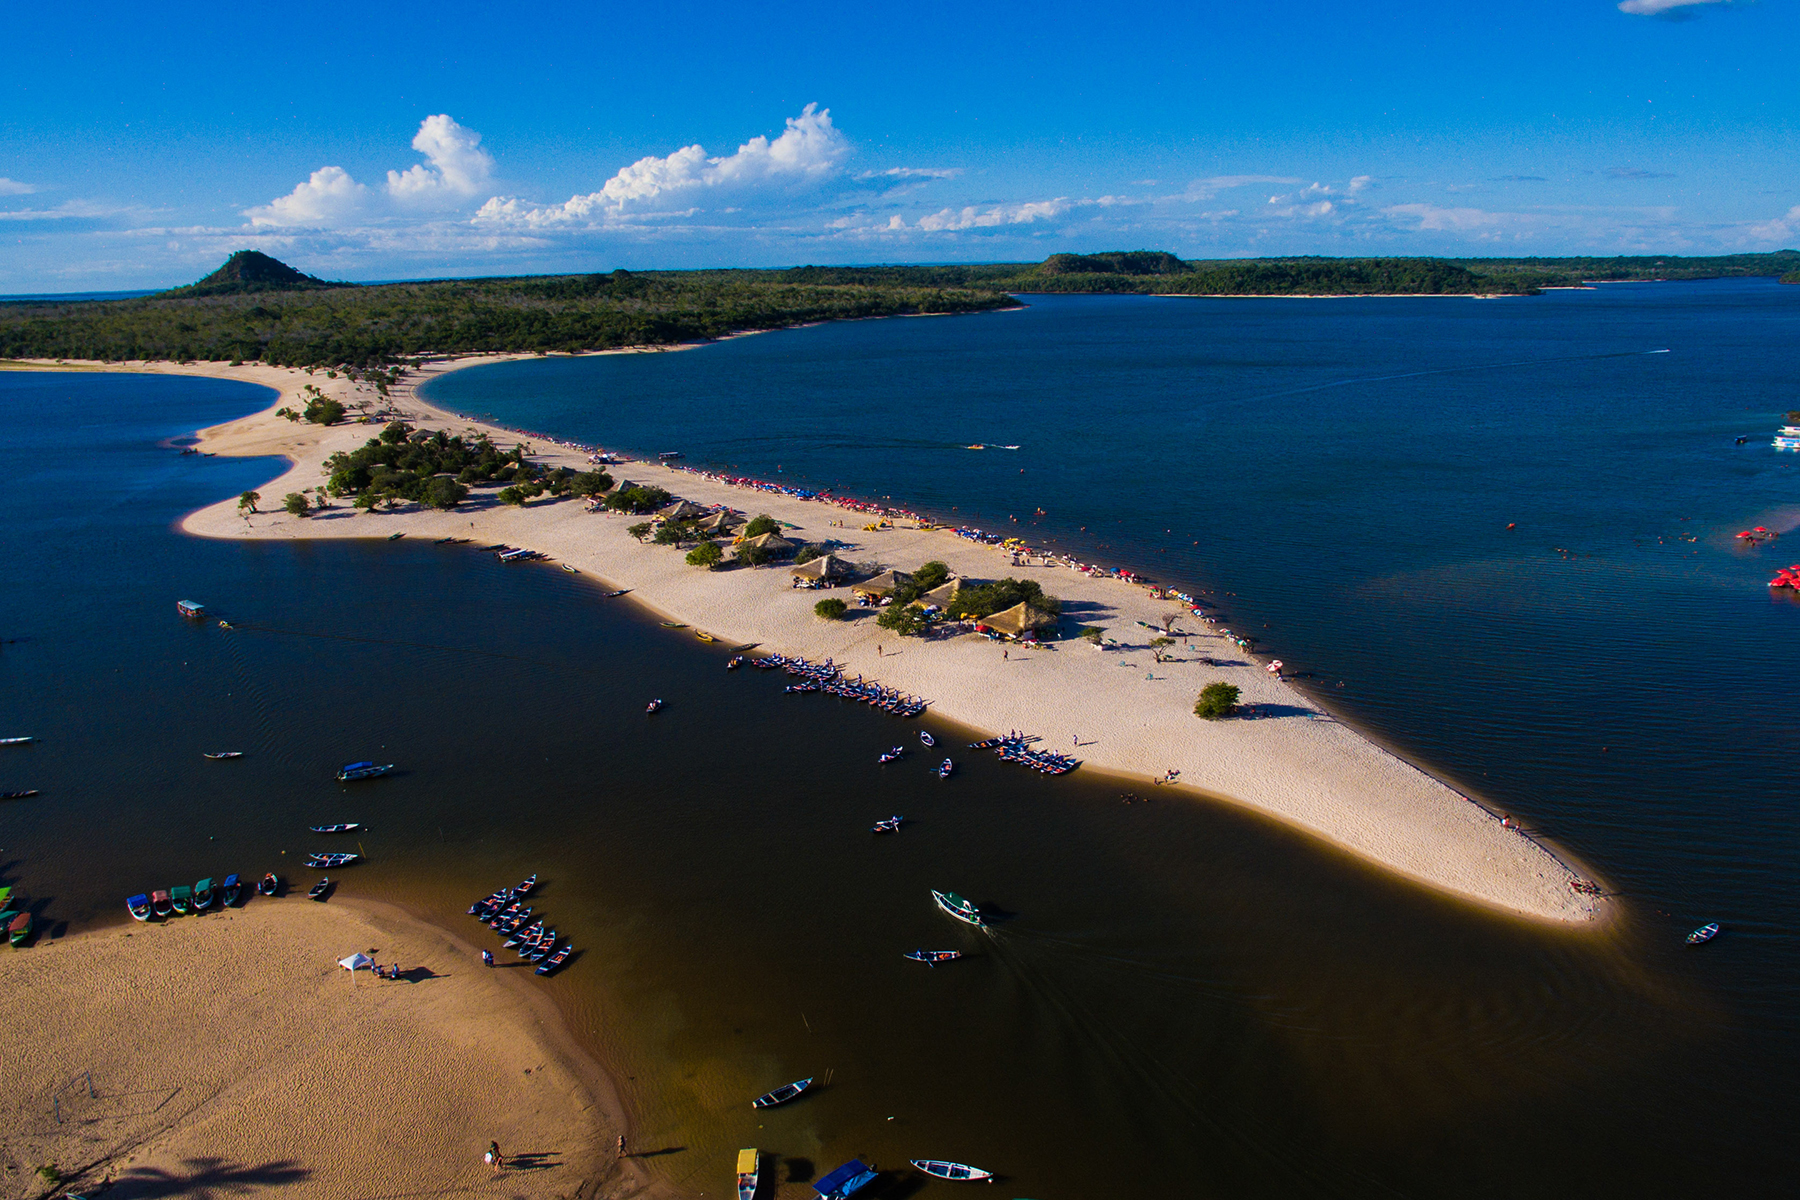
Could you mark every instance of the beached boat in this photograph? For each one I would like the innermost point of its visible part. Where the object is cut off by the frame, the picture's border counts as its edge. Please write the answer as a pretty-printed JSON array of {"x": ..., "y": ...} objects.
[
  {"x": 612, "y": 595},
  {"x": 932, "y": 958},
  {"x": 19, "y": 795},
  {"x": 350, "y": 772},
  {"x": 890, "y": 825},
  {"x": 138, "y": 906},
  {"x": 653, "y": 706},
  {"x": 394, "y": 537},
  {"x": 331, "y": 860},
  {"x": 19, "y": 928},
  {"x": 231, "y": 891},
  {"x": 320, "y": 890},
  {"x": 190, "y": 608},
  {"x": 269, "y": 884},
  {"x": 847, "y": 1180},
  {"x": 959, "y": 1172},
  {"x": 927, "y": 738},
  {"x": 704, "y": 636},
  {"x": 203, "y": 894},
  {"x": 550, "y": 965},
  {"x": 959, "y": 908},
  {"x": 161, "y": 903},
  {"x": 945, "y": 769},
  {"x": 221, "y": 754},
  {"x": 749, "y": 1173},
  {"x": 525, "y": 885},
  {"x": 569, "y": 569},
  {"x": 341, "y": 827},
  {"x": 782, "y": 1094},
  {"x": 183, "y": 899},
  {"x": 16, "y": 741},
  {"x": 1705, "y": 933}
]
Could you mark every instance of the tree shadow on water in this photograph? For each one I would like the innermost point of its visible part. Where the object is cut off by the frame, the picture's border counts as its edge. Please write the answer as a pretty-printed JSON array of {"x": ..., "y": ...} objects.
[{"x": 205, "y": 1177}]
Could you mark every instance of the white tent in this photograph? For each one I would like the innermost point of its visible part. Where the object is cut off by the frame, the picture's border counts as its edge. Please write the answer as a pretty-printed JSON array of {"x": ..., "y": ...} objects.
[{"x": 356, "y": 962}]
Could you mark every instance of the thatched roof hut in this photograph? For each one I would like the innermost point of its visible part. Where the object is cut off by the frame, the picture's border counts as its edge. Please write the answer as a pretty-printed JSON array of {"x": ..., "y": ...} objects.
[
  {"x": 721, "y": 522},
  {"x": 774, "y": 543},
  {"x": 1018, "y": 620},
  {"x": 824, "y": 568},
  {"x": 681, "y": 510},
  {"x": 882, "y": 585},
  {"x": 943, "y": 595}
]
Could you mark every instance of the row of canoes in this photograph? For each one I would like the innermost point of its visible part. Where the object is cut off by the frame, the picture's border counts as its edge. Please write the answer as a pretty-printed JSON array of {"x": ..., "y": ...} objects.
[
  {"x": 507, "y": 913},
  {"x": 853, "y": 1176},
  {"x": 180, "y": 901},
  {"x": 16, "y": 921}
]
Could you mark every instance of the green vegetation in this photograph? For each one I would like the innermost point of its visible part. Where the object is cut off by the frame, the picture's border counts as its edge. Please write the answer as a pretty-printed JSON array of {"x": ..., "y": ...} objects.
[
  {"x": 807, "y": 551},
  {"x": 430, "y": 468},
  {"x": 296, "y": 505},
  {"x": 250, "y": 271},
  {"x": 760, "y": 524},
  {"x": 1093, "y": 633},
  {"x": 1216, "y": 700},
  {"x": 638, "y": 499},
  {"x": 831, "y": 609},
  {"x": 673, "y": 533},
  {"x": 640, "y": 531},
  {"x": 985, "y": 599},
  {"x": 247, "y": 502},
  {"x": 752, "y": 556},
  {"x": 1159, "y": 648},
  {"x": 933, "y": 574},
  {"x": 902, "y": 619},
  {"x": 1791, "y": 277},
  {"x": 706, "y": 554}
]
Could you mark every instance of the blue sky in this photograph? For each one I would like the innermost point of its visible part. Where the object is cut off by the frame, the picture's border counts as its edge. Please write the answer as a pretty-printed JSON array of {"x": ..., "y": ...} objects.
[{"x": 140, "y": 144}]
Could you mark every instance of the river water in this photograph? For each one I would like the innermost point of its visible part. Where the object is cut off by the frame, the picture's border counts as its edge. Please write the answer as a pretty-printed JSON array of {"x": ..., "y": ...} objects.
[{"x": 1187, "y": 1001}]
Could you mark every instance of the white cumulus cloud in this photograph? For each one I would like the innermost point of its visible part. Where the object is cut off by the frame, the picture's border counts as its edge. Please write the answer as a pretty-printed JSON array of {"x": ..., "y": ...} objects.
[
  {"x": 1778, "y": 230},
  {"x": 12, "y": 187},
  {"x": 1656, "y": 8},
  {"x": 810, "y": 150},
  {"x": 455, "y": 165},
  {"x": 912, "y": 173},
  {"x": 970, "y": 217},
  {"x": 327, "y": 197}
]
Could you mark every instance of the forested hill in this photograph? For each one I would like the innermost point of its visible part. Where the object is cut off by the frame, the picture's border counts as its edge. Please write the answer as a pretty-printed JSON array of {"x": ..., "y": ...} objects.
[
  {"x": 323, "y": 325},
  {"x": 256, "y": 308}
]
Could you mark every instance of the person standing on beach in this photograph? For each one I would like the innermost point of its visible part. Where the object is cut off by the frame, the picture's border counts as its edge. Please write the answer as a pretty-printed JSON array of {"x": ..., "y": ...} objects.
[
  {"x": 487, "y": 956},
  {"x": 493, "y": 1157}
]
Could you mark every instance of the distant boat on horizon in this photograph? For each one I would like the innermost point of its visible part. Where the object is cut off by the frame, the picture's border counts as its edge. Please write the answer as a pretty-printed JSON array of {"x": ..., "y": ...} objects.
[{"x": 351, "y": 772}]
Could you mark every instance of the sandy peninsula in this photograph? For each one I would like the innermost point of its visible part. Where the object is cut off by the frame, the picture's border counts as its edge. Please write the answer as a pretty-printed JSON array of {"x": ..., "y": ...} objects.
[
  {"x": 1117, "y": 709},
  {"x": 229, "y": 1054}
]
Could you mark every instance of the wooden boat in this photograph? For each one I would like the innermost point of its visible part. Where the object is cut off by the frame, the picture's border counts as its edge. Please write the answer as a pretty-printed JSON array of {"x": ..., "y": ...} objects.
[
  {"x": 1705, "y": 933},
  {"x": 183, "y": 899},
  {"x": 5, "y": 897},
  {"x": 945, "y": 769},
  {"x": 614, "y": 594},
  {"x": 959, "y": 908},
  {"x": 330, "y": 860},
  {"x": 927, "y": 738},
  {"x": 19, "y": 928},
  {"x": 674, "y": 625},
  {"x": 161, "y": 904},
  {"x": 555, "y": 961},
  {"x": 932, "y": 958},
  {"x": 350, "y": 772},
  {"x": 959, "y": 1172},
  {"x": 847, "y": 1180},
  {"x": 782, "y": 1094},
  {"x": 190, "y": 608},
  {"x": 222, "y": 754},
  {"x": 18, "y": 795},
  {"x": 891, "y": 755},
  {"x": 394, "y": 537},
  {"x": 704, "y": 636},
  {"x": 269, "y": 884},
  {"x": 138, "y": 906},
  {"x": 569, "y": 569},
  {"x": 734, "y": 662},
  {"x": 526, "y": 885},
  {"x": 890, "y": 825},
  {"x": 203, "y": 894},
  {"x": 320, "y": 890},
  {"x": 342, "y": 827},
  {"x": 652, "y": 706},
  {"x": 232, "y": 891},
  {"x": 749, "y": 1173},
  {"x": 16, "y": 741}
]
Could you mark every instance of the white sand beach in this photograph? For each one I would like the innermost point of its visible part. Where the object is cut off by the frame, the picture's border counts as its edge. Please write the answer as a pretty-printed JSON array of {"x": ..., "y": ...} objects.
[{"x": 1117, "y": 710}]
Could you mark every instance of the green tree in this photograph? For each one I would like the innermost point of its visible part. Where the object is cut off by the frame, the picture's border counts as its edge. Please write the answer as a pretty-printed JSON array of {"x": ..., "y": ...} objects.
[
  {"x": 807, "y": 551},
  {"x": 1159, "y": 648},
  {"x": 1093, "y": 633},
  {"x": 591, "y": 483},
  {"x": 640, "y": 531},
  {"x": 366, "y": 501},
  {"x": 673, "y": 533},
  {"x": 752, "y": 556},
  {"x": 247, "y": 502},
  {"x": 296, "y": 504},
  {"x": 513, "y": 495},
  {"x": 706, "y": 554},
  {"x": 443, "y": 493},
  {"x": 831, "y": 609},
  {"x": 932, "y": 574},
  {"x": 902, "y": 619},
  {"x": 760, "y": 524},
  {"x": 324, "y": 411},
  {"x": 1216, "y": 700}
]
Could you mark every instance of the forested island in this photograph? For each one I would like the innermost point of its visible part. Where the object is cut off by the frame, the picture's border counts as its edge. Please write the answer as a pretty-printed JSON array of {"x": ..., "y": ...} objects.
[{"x": 256, "y": 309}]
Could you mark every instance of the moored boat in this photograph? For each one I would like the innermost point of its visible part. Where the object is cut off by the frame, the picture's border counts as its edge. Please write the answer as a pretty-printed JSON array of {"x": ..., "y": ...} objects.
[
  {"x": 555, "y": 961},
  {"x": 653, "y": 706},
  {"x": 960, "y": 1172},
  {"x": 19, "y": 928},
  {"x": 1705, "y": 933},
  {"x": 203, "y": 894},
  {"x": 320, "y": 890},
  {"x": 846, "y": 1180},
  {"x": 932, "y": 958},
  {"x": 946, "y": 769},
  {"x": 959, "y": 908},
  {"x": 331, "y": 860},
  {"x": 190, "y": 608},
  {"x": 221, "y": 754},
  {"x": 269, "y": 884},
  {"x": 362, "y": 770},
  {"x": 17, "y": 741},
  {"x": 782, "y": 1094},
  {"x": 890, "y": 825},
  {"x": 183, "y": 899},
  {"x": 232, "y": 891},
  {"x": 927, "y": 738},
  {"x": 890, "y": 755},
  {"x": 342, "y": 827},
  {"x": 749, "y": 1173},
  {"x": 19, "y": 795},
  {"x": 161, "y": 903},
  {"x": 138, "y": 906}
]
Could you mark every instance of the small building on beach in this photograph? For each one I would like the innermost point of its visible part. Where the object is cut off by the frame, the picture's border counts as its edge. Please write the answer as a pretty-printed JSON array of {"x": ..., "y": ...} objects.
[
  {"x": 882, "y": 586},
  {"x": 774, "y": 543},
  {"x": 722, "y": 523},
  {"x": 1018, "y": 621},
  {"x": 680, "y": 510},
  {"x": 942, "y": 596},
  {"x": 823, "y": 571}
]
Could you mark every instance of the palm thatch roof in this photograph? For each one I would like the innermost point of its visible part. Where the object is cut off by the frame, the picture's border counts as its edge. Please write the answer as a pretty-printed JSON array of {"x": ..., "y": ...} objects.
[
  {"x": 942, "y": 595},
  {"x": 681, "y": 510},
  {"x": 774, "y": 543},
  {"x": 1016, "y": 620},
  {"x": 826, "y": 566},
  {"x": 721, "y": 521},
  {"x": 882, "y": 585}
]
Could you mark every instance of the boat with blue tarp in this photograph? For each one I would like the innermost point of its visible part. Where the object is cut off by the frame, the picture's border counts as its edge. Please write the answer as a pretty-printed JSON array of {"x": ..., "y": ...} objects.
[{"x": 847, "y": 1180}]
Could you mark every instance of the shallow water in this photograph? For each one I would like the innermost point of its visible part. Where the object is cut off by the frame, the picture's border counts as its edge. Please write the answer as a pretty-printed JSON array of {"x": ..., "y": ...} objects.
[{"x": 1186, "y": 1002}]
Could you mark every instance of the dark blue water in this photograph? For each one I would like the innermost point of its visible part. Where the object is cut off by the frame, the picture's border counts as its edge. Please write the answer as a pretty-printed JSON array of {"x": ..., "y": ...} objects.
[{"x": 1190, "y": 1002}]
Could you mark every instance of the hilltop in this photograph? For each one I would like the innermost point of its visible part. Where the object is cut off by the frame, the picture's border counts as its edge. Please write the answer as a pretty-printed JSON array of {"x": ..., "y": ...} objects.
[{"x": 253, "y": 271}]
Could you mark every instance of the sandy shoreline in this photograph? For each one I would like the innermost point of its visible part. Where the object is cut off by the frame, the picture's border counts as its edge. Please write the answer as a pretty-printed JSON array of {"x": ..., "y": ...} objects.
[
  {"x": 228, "y": 1053},
  {"x": 1129, "y": 714}
]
